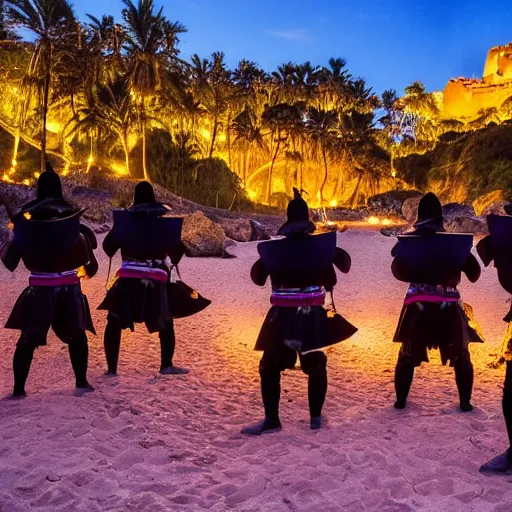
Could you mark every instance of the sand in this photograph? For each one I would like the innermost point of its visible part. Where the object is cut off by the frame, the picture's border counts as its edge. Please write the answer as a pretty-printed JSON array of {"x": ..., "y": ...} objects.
[{"x": 148, "y": 442}]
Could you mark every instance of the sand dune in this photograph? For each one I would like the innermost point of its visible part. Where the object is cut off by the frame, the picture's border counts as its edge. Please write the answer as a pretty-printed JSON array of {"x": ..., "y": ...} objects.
[{"x": 147, "y": 442}]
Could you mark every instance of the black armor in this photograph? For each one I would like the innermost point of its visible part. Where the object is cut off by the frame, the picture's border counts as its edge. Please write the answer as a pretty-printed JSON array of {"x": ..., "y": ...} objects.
[
  {"x": 435, "y": 259},
  {"x": 146, "y": 234},
  {"x": 300, "y": 254}
]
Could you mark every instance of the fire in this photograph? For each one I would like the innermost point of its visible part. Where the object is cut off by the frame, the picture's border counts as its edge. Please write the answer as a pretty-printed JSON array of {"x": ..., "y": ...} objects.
[
  {"x": 26, "y": 182},
  {"x": 373, "y": 220},
  {"x": 386, "y": 222},
  {"x": 393, "y": 173},
  {"x": 333, "y": 203},
  {"x": 7, "y": 178},
  {"x": 252, "y": 194},
  {"x": 27, "y": 215}
]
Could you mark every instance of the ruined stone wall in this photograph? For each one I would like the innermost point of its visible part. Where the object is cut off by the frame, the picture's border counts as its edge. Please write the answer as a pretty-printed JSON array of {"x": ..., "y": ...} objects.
[{"x": 465, "y": 98}]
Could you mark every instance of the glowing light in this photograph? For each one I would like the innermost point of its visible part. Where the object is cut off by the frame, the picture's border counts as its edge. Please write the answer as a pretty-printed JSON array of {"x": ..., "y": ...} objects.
[
  {"x": 27, "y": 215},
  {"x": 26, "y": 182},
  {"x": 7, "y": 178},
  {"x": 119, "y": 169},
  {"x": 393, "y": 173},
  {"x": 330, "y": 223},
  {"x": 386, "y": 222},
  {"x": 373, "y": 220},
  {"x": 53, "y": 126},
  {"x": 37, "y": 174},
  {"x": 333, "y": 203},
  {"x": 90, "y": 160},
  {"x": 205, "y": 133},
  {"x": 14, "y": 162},
  {"x": 252, "y": 194},
  {"x": 222, "y": 137}
]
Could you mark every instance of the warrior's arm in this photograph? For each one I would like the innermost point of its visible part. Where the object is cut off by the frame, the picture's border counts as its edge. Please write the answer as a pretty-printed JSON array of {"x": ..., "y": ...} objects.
[
  {"x": 484, "y": 250},
  {"x": 90, "y": 268},
  {"x": 342, "y": 260},
  {"x": 472, "y": 269},
  {"x": 259, "y": 273},
  {"x": 110, "y": 245},
  {"x": 10, "y": 256},
  {"x": 176, "y": 253}
]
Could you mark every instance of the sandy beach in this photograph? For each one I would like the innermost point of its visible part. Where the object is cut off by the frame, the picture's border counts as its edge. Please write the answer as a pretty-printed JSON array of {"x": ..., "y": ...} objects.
[{"x": 146, "y": 442}]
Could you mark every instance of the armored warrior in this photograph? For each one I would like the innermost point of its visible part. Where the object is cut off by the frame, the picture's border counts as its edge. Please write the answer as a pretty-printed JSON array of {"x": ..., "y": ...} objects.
[
  {"x": 301, "y": 270},
  {"x": 497, "y": 246},
  {"x": 53, "y": 246},
  {"x": 433, "y": 315},
  {"x": 142, "y": 293}
]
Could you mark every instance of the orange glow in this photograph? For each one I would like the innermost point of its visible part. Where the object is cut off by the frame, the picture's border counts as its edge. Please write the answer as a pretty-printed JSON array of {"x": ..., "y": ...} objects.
[
  {"x": 333, "y": 203},
  {"x": 393, "y": 173},
  {"x": 252, "y": 194},
  {"x": 36, "y": 175},
  {"x": 387, "y": 222},
  {"x": 27, "y": 215},
  {"x": 119, "y": 169},
  {"x": 26, "y": 182},
  {"x": 373, "y": 220}
]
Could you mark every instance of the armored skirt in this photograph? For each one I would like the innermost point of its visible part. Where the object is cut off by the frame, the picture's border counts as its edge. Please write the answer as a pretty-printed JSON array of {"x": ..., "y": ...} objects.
[
  {"x": 303, "y": 329},
  {"x": 64, "y": 308},
  {"x": 424, "y": 326},
  {"x": 133, "y": 301}
]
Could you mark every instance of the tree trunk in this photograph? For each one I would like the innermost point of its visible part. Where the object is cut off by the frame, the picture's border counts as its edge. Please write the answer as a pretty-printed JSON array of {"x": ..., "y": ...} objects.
[
  {"x": 270, "y": 172},
  {"x": 229, "y": 139},
  {"x": 46, "y": 94},
  {"x": 214, "y": 136},
  {"x": 325, "y": 176},
  {"x": 144, "y": 150},
  {"x": 17, "y": 139},
  {"x": 124, "y": 142}
]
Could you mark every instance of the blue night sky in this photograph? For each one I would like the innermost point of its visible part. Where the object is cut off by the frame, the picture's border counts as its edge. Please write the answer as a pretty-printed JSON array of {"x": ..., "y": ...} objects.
[{"x": 391, "y": 43}]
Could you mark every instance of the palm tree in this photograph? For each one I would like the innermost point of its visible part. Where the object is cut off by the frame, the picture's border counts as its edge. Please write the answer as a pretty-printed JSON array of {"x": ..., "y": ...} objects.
[
  {"x": 53, "y": 23},
  {"x": 322, "y": 129},
  {"x": 151, "y": 45}
]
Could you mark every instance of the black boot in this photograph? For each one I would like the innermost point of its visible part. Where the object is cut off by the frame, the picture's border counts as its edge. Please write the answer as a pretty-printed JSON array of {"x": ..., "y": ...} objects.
[
  {"x": 500, "y": 464},
  {"x": 464, "y": 375},
  {"x": 404, "y": 373},
  {"x": 503, "y": 462},
  {"x": 315, "y": 366},
  {"x": 112, "y": 345},
  {"x": 270, "y": 374},
  {"x": 22, "y": 360},
  {"x": 167, "y": 346},
  {"x": 79, "y": 355}
]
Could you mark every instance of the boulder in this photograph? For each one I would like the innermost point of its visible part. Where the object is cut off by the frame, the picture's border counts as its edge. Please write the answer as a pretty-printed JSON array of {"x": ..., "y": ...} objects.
[
  {"x": 96, "y": 203},
  {"x": 202, "y": 237},
  {"x": 410, "y": 209},
  {"x": 497, "y": 208},
  {"x": 452, "y": 210},
  {"x": 239, "y": 230},
  {"x": 488, "y": 201},
  {"x": 4, "y": 223},
  {"x": 260, "y": 231},
  {"x": 466, "y": 224},
  {"x": 392, "y": 201},
  {"x": 15, "y": 196},
  {"x": 462, "y": 218}
]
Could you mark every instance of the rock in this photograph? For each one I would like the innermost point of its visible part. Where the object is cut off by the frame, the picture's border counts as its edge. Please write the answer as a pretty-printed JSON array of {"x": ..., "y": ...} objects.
[
  {"x": 480, "y": 204},
  {"x": 497, "y": 208},
  {"x": 96, "y": 203},
  {"x": 202, "y": 237},
  {"x": 4, "y": 222},
  {"x": 393, "y": 231},
  {"x": 239, "y": 230},
  {"x": 392, "y": 201},
  {"x": 15, "y": 196},
  {"x": 452, "y": 210},
  {"x": 410, "y": 209},
  {"x": 466, "y": 224},
  {"x": 259, "y": 231}
]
